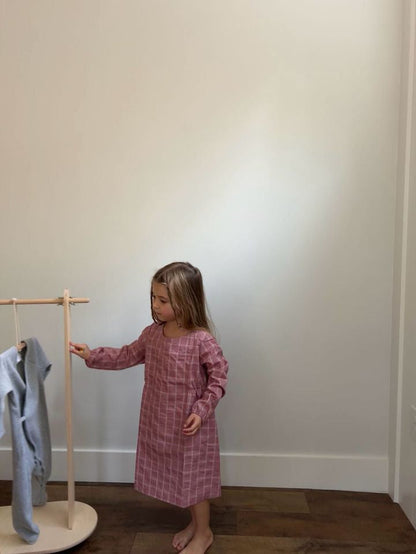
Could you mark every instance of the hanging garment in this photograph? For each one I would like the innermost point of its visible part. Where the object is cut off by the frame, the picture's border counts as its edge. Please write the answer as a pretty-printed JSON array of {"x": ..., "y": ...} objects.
[{"x": 21, "y": 381}]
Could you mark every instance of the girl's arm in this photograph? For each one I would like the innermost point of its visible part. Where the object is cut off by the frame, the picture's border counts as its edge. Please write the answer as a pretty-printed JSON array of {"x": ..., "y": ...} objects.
[
  {"x": 216, "y": 366},
  {"x": 106, "y": 357}
]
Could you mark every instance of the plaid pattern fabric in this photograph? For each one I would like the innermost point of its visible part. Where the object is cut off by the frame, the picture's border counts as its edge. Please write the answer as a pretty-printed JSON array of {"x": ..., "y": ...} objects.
[{"x": 183, "y": 375}]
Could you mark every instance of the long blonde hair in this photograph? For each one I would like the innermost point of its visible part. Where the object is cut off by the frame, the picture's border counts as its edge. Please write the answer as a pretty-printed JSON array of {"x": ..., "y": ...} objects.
[{"x": 186, "y": 294}]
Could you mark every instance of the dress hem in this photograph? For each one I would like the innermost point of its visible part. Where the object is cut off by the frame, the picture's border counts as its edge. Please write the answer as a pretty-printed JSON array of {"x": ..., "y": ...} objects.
[{"x": 181, "y": 505}]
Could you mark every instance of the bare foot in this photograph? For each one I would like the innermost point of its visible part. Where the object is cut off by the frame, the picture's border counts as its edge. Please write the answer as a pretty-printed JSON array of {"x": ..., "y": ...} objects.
[
  {"x": 200, "y": 543},
  {"x": 181, "y": 539}
]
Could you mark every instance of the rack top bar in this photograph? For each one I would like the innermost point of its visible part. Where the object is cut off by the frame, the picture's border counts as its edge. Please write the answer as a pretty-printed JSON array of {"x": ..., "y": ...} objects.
[{"x": 60, "y": 300}]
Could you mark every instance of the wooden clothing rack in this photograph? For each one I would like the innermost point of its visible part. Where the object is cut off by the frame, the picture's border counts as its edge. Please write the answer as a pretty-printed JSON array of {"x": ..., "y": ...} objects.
[{"x": 62, "y": 524}]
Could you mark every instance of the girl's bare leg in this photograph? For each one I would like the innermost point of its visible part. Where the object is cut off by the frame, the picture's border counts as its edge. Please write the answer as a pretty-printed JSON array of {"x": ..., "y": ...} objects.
[{"x": 202, "y": 535}]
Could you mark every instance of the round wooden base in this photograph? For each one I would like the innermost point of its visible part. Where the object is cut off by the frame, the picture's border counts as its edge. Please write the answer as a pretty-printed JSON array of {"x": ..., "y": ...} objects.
[{"x": 52, "y": 520}]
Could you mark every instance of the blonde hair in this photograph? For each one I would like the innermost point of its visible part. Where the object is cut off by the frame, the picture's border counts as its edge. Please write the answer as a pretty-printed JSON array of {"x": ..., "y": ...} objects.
[{"x": 186, "y": 294}]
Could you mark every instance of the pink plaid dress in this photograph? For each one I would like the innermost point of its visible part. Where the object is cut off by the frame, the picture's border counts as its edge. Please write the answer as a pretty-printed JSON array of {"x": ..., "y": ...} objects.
[{"x": 182, "y": 375}]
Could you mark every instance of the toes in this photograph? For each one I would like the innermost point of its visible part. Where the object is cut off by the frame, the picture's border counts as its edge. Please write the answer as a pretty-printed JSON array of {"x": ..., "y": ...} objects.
[{"x": 177, "y": 544}]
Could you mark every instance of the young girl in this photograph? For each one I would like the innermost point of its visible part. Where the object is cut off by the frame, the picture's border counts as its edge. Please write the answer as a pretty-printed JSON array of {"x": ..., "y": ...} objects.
[{"x": 185, "y": 374}]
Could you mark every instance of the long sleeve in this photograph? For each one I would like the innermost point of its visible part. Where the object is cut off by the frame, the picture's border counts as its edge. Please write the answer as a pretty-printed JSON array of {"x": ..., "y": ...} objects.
[
  {"x": 129, "y": 355},
  {"x": 4, "y": 389},
  {"x": 216, "y": 367},
  {"x": 5, "y": 384}
]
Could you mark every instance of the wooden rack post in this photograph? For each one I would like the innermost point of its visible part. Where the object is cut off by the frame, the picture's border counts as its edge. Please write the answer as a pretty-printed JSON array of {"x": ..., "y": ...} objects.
[
  {"x": 68, "y": 409},
  {"x": 50, "y": 539}
]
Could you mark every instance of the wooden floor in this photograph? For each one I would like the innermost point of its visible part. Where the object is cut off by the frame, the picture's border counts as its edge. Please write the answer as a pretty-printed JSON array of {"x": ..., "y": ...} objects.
[{"x": 245, "y": 520}]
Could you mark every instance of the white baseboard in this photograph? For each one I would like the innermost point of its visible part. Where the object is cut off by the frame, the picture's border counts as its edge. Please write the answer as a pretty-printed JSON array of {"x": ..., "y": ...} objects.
[
  {"x": 306, "y": 471},
  {"x": 349, "y": 473}
]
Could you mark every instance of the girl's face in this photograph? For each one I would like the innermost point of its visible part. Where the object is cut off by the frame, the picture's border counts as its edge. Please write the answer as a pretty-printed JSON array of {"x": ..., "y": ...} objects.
[{"x": 161, "y": 304}]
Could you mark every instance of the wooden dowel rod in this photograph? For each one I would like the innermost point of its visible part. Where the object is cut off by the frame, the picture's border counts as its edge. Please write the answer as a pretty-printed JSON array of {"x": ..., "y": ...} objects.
[
  {"x": 43, "y": 301},
  {"x": 68, "y": 409}
]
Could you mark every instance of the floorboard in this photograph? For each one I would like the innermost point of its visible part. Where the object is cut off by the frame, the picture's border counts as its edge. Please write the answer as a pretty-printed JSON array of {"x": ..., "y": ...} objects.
[{"x": 244, "y": 520}]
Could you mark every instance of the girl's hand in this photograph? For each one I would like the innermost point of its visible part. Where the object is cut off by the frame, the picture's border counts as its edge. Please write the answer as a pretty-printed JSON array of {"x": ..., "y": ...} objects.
[
  {"x": 80, "y": 350},
  {"x": 192, "y": 424}
]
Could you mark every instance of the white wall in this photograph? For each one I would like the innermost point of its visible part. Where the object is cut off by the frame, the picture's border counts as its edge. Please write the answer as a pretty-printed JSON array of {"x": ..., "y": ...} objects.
[{"x": 255, "y": 139}]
